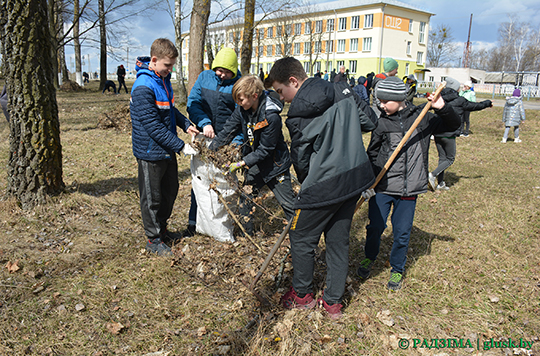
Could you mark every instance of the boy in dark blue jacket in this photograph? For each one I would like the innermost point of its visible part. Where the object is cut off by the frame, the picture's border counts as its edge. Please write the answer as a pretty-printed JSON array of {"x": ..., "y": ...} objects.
[
  {"x": 265, "y": 153},
  {"x": 155, "y": 142}
]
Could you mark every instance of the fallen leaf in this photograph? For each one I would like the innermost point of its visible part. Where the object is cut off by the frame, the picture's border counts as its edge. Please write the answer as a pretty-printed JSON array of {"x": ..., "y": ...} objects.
[
  {"x": 364, "y": 318},
  {"x": 385, "y": 318},
  {"x": 326, "y": 339},
  {"x": 79, "y": 307},
  {"x": 201, "y": 331},
  {"x": 494, "y": 298},
  {"x": 114, "y": 328},
  {"x": 13, "y": 266}
]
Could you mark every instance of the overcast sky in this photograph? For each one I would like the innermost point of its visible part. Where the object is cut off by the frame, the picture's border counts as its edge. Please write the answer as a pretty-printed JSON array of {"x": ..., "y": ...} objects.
[{"x": 487, "y": 15}]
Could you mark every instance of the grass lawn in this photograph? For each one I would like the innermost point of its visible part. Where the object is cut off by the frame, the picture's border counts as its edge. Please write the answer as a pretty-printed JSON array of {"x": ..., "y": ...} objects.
[{"x": 85, "y": 285}]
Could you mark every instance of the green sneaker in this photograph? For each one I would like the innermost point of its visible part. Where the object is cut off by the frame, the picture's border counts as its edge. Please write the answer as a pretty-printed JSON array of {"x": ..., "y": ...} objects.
[
  {"x": 395, "y": 281},
  {"x": 364, "y": 270}
]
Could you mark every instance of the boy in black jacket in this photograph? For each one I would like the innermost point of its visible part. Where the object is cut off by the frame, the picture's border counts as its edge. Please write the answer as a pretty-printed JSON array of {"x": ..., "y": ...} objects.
[
  {"x": 406, "y": 177},
  {"x": 326, "y": 124},
  {"x": 265, "y": 153}
]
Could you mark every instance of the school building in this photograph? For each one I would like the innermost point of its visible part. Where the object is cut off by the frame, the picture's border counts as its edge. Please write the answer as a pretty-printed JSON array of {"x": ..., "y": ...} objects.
[{"x": 358, "y": 34}]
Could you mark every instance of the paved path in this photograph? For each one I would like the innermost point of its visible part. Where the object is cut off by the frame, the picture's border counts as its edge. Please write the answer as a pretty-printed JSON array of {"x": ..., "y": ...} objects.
[{"x": 529, "y": 105}]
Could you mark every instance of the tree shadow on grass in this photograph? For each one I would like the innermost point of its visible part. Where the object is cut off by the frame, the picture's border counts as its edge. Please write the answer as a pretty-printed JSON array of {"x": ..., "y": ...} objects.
[
  {"x": 107, "y": 186},
  {"x": 451, "y": 178}
]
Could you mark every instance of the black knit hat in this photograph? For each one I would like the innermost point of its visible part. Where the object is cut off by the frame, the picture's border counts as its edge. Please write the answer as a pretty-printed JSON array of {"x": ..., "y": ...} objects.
[{"x": 391, "y": 89}]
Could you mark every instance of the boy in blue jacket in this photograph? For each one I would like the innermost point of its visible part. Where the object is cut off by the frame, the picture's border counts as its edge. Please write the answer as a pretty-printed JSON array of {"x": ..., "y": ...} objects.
[
  {"x": 210, "y": 104},
  {"x": 155, "y": 142},
  {"x": 265, "y": 153}
]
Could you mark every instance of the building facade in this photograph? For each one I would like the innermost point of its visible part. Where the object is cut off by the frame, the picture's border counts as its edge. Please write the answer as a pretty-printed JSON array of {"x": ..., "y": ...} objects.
[{"x": 356, "y": 34}]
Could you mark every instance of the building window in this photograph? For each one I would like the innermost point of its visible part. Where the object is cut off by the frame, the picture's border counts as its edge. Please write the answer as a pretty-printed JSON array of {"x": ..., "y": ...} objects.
[
  {"x": 288, "y": 47},
  {"x": 318, "y": 46},
  {"x": 306, "y": 67},
  {"x": 318, "y": 66},
  {"x": 443, "y": 79},
  {"x": 297, "y": 28},
  {"x": 231, "y": 36},
  {"x": 278, "y": 50},
  {"x": 329, "y": 66},
  {"x": 431, "y": 78},
  {"x": 406, "y": 68},
  {"x": 422, "y": 36},
  {"x": 366, "y": 46},
  {"x": 297, "y": 48},
  {"x": 318, "y": 26},
  {"x": 261, "y": 34},
  {"x": 329, "y": 46},
  {"x": 252, "y": 70},
  {"x": 340, "y": 63},
  {"x": 268, "y": 67},
  {"x": 419, "y": 58},
  {"x": 307, "y": 47},
  {"x": 330, "y": 25},
  {"x": 278, "y": 31},
  {"x": 355, "y": 22},
  {"x": 307, "y": 28},
  {"x": 270, "y": 32},
  {"x": 410, "y": 25},
  {"x": 342, "y": 24},
  {"x": 341, "y": 45},
  {"x": 368, "y": 21},
  {"x": 261, "y": 51},
  {"x": 354, "y": 45},
  {"x": 352, "y": 66},
  {"x": 409, "y": 48},
  {"x": 288, "y": 29}
]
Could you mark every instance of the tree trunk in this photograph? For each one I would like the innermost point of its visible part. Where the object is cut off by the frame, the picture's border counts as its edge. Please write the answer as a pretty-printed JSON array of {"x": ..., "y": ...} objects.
[
  {"x": 197, "y": 31},
  {"x": 102, "y": 46},
  {"x": 53, "y": 30},
  {"x": 181, "y": 92},
  {"x": 35, "y": 153},
  {"x": 76, "y": 43},
  {"x": 247, "y": 40}
]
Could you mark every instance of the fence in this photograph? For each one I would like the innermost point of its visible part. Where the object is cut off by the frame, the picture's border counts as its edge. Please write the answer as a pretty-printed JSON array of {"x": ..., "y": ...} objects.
[{"x": 528, "y": 91}]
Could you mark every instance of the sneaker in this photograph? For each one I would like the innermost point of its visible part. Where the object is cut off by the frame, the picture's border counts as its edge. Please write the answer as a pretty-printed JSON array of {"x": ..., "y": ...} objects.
[
  {"x": 431, "y": 182},
  {"x": 442, "y": 186},
  {"x": 170, "y": 237},
  {"x": 503, "y": 140},
  {"x": 158, "y": 247},
  {"x": 291, "y": 300},
  {"x": 395, "y": 281},
  {"x": 334, "y": 310},
  {"x": 364, "y": 270},
  {"x": 465, "y": 135},
  {"x": 517, "y": 140},
  {"x": 189, "y": 231}
]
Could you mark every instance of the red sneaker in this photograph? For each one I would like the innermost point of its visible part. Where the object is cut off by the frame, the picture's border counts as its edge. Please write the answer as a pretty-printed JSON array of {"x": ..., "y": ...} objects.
[
  {"x": 334, "y": 310},
  {"x": 290, "y": 300}
]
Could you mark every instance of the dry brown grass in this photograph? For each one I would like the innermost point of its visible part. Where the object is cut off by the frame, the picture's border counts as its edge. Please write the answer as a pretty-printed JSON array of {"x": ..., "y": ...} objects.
[{"x": 473, "y": 269}]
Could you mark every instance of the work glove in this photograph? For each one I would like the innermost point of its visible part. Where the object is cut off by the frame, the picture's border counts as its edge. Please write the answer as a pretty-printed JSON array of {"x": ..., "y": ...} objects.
[
  {"x": 233, "y": 167},
  {"x": 366, "y": 194},
  {"x": 189, "y": 150}
]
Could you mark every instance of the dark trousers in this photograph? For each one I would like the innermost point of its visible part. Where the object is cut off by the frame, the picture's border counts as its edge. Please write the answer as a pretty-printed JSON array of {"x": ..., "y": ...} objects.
[
  {"x": 281, "y": 187},
  {"x": 465, "y": 122},
  {"x": 192, "y": 215},
  {"x": 158, "y": 188},
  {"x": 446, "y": 147},
  {"x": 402, "y": 222},
  {"x": 121, "y": 82},
  {"x": 308, "y": 225}
]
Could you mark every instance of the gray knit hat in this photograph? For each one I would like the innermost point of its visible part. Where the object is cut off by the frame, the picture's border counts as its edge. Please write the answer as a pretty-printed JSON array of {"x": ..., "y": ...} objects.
[
  {"x": 452, "y": 83},
  {"x": 391, "y": 89}
]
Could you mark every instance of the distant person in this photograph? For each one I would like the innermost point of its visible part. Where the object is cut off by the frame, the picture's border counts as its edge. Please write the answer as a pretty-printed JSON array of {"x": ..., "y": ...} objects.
[
  {"x": 261, "y": 74},
  {"x": 469, "y": 94},
  {"x": 155, "y": 142},
  {"x": 121, "y": 74},
  {"x": 109, "y": 84},
  {"x": 361, "y": 90},
  {"x": 210, "y": 104},
  {"x": 369, "y": 82},
  {"x": 333, "y": 75},
  {"x": 318, "y": 74},
  {"x": 3, "y": 102},
  {"x": 341, "y": 76},
  {"x": 352, "y": 81},
  {"x": 325, "y": 77},
  {"x": 410, "y": 82},
  {"x": 446, "y": 141},
  {"x": 513, "y": 115},
  {"x": 85, "y": 77}
]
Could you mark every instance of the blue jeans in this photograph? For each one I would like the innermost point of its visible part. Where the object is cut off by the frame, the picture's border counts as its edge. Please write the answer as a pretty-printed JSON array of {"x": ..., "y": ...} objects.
[{"x": 402, "y": 222}]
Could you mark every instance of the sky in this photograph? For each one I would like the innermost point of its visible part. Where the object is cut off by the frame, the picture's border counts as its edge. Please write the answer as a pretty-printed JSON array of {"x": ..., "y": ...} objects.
[{"x": 487, "y": 15}]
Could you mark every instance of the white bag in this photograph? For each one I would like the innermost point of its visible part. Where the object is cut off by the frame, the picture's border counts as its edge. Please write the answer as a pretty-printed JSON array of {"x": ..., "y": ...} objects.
[{"x": 212, "y": 217}]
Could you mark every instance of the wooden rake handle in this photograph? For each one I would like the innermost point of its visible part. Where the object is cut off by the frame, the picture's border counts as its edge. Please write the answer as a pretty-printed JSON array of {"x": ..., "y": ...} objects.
[{"x": 402, "y": 143}]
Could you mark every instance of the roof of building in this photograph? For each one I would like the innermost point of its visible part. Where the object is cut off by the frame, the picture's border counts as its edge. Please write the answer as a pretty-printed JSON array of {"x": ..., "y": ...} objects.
[{"x": 500, "y": 77}]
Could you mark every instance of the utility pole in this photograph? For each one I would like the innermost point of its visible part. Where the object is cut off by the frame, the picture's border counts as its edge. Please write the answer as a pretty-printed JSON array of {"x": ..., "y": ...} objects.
[{"x": 467, "y": 51}]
